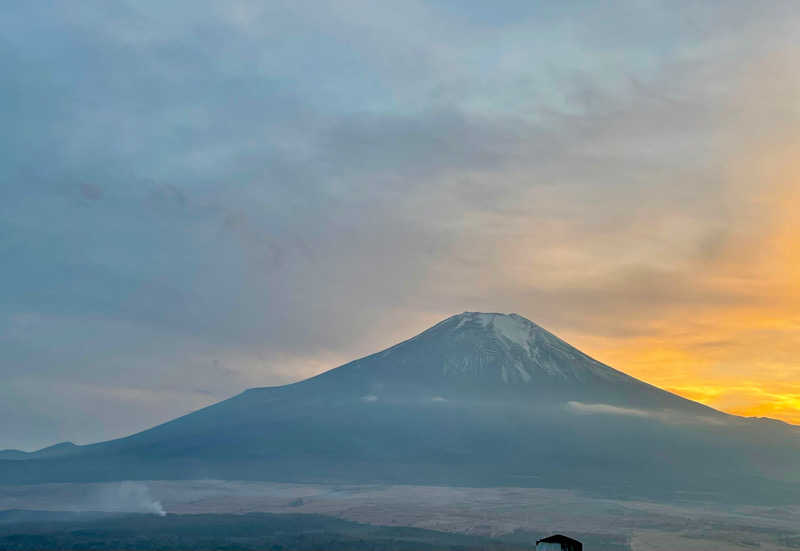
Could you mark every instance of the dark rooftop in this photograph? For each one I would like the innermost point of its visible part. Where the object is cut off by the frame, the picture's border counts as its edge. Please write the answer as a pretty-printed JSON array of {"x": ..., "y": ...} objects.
[{"x": 557, "y": 538}]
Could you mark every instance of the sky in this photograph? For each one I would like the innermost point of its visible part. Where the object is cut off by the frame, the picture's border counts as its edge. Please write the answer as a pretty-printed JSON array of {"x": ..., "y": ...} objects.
[{"x": 199, "y": 197}]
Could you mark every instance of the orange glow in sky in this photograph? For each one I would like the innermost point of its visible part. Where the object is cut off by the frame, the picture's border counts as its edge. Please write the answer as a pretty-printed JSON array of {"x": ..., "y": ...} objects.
[{"x": 739, "y": 353}]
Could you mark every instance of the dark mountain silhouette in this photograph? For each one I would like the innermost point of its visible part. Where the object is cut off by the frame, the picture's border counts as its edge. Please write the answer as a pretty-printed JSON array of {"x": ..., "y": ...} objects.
[{"x": 478, "y": 399}]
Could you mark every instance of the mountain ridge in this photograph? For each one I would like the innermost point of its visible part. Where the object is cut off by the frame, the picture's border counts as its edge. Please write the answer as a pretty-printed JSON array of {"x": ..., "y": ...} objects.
[
  {"x": 499, "y": 354},
  {"x": 477, "y": 399},
  {"x": 485, "y": 319}
]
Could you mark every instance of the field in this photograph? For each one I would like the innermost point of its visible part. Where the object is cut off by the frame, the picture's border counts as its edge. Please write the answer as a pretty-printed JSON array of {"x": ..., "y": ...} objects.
[{"x": 512, "y": 516}]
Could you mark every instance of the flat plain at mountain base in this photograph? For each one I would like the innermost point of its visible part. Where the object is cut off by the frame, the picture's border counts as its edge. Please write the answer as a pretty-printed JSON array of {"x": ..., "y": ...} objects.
[{"x": 513, "y": 515}]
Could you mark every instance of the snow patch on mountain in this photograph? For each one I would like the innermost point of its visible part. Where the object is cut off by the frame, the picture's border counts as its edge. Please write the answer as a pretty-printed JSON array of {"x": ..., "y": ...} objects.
[
  {"x": 527, "y": 349},
  {"x": 510, "y": 327},
  {"x": 514, "y": 329}
]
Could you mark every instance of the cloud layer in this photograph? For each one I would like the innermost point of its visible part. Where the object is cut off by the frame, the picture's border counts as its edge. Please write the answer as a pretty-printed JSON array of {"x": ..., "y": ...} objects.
[{"x": 202, "y": 197}]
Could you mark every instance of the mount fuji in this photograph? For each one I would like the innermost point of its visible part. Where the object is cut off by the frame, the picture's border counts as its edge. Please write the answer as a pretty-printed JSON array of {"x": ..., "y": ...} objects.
[{"x": 480, "y": 399}]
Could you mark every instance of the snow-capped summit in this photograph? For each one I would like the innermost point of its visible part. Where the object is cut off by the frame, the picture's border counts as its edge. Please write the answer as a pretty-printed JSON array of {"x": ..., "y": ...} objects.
[
  {"x": 491, "y": 356},
  {"x": 504, "y": 348},
  {"x": 513, "y": 328}
]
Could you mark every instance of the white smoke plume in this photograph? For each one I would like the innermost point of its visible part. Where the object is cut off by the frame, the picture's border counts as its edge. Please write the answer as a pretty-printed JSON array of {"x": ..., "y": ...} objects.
[{"x": 125, "y": 497}]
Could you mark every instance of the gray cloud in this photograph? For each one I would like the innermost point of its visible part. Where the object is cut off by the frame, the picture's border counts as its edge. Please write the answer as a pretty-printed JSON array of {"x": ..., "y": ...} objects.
[
  {"x": 607, "y": 409},
  {"x": 664, "y": 416}
]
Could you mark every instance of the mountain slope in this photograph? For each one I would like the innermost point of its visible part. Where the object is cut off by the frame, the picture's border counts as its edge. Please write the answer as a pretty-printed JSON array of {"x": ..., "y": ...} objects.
[
  {"x": 485, "y": 355},
  {"x": 478, "y": 399}
]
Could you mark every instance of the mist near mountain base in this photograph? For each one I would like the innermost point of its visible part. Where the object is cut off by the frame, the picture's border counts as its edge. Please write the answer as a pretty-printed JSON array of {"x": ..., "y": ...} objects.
[{"x": 123, "y": 497}]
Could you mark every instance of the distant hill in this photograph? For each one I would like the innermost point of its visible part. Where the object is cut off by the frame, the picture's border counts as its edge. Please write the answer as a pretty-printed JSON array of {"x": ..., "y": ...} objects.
[
  {"x": 14, "y": 454},
  {"x": 63, "y": 448},
  {"x": 478, "y": 399}
]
